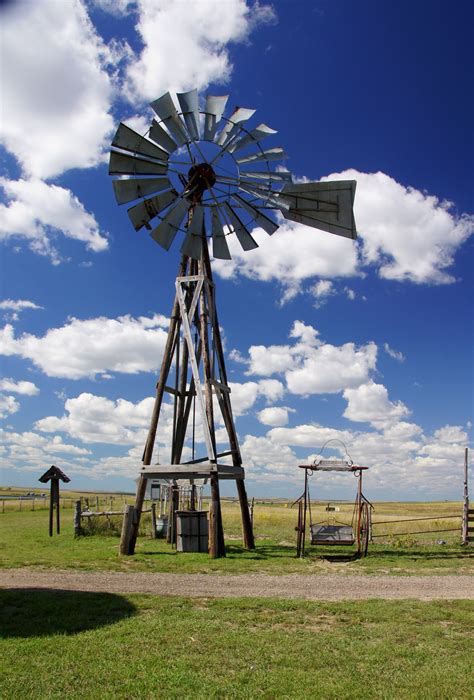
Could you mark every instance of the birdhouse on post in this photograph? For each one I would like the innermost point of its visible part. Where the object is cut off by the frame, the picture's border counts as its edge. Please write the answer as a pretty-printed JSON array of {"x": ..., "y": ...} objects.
[{"x": 54, "y": 474}]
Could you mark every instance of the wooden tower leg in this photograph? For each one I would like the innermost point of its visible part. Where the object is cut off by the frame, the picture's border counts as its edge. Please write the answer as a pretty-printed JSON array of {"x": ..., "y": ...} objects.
[
  {"x": 226, "y": 410},
  {"x": 216, "y": 530},
  {"x": 129, "y": 547},
  {"x": 216, "y": 544},
  {"x": 247, "y": 530}
]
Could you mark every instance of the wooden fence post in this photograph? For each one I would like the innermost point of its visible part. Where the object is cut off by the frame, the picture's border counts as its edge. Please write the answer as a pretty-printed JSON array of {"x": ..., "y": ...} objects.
[
  {"x": 153, "y": 521},
  {"x": 127, "y": 526},
  {"x": 465, "y": 513},
  {"x": 77, "y": 519}
]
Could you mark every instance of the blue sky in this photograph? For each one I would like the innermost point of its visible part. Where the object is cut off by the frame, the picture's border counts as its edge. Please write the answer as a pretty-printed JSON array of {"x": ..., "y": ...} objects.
[{"x": 369, "y": 342}]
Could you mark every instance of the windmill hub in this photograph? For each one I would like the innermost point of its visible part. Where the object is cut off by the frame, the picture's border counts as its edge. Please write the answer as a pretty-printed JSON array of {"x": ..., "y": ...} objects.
[{"x": 201, "y": 177}]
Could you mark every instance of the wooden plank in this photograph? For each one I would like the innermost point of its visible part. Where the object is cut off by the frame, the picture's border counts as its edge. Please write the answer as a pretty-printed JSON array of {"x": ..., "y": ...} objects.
[
  {"x": 206, "y": 459},
  {"x": 193, "y": 471}
]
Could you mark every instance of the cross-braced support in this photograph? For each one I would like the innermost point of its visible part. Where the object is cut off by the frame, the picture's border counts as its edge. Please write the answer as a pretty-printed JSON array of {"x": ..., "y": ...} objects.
[{"x": 200, "y": 387}]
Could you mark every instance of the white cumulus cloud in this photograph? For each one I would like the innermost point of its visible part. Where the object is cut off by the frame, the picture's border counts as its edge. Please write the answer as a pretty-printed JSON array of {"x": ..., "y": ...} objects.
[
  {"x": 37, "y": 212},
  {"x": 273, "y": 415},
  {"x": 311, "y": 366},
  {"x": 56, "y": 91},
  {"x": 13, "y": 307},
  {"x": 293, "y": 254},
  {"x": 185, "y": 43},
  {"x": 21, "y": 387},
  {"x": 91, "y": 347},
  {"x": 370, "y": 403},
  {"x": 92, "y": 419},
  {"x": 8, "y": 405},
  {"x": 407, "y": 234}
]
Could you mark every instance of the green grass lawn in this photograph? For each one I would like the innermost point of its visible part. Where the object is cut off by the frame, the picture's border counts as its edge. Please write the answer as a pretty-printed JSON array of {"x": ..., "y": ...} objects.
[
  {"x": 24, "y": 541},
  {"x": 82, "y": 645}
]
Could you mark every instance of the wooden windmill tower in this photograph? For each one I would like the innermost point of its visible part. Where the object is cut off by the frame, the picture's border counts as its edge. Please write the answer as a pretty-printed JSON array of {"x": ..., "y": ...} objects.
[{"x": 206, "y": 175}]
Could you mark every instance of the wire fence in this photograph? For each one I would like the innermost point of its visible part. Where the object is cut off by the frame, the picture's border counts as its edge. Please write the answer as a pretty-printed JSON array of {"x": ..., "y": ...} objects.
[
  {"x": 41, "y": 502},
  {"x": 432, "y": 519}
]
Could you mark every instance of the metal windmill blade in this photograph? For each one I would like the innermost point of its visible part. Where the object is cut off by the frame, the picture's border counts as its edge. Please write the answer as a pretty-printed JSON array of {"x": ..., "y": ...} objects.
[
  {"x": 261, "y": 132},
  {"x": 189, "y": 102},
  {"x": 185, "y": 175},
  {"x": 241, "y": 114},
  {"x": 213, "y": 111},
  {"x": 141, "y": 214},
  {"x": 166, "y": 231},
  {"x": 128, "y": 140},
  {"x": 271, "y": 154},
  {"x": 121, "y": 164},
  {"x": 131, "y": 189},
  {"x": 220, "y": 248},
  {"x": 259, "y": 217},
  {"x": 165, "y": 109}
]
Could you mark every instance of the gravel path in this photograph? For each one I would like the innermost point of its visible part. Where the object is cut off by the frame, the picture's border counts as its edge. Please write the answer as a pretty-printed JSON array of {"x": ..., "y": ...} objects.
[{"x": 330, "y": 587}]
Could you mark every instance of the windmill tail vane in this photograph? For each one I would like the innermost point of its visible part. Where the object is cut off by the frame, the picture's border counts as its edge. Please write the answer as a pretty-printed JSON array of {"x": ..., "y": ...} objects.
[{"x": 202, "y": 173}]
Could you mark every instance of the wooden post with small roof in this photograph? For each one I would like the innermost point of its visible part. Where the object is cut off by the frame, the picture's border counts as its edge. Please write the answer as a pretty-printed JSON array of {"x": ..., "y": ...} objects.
[{"x": 54, "y": 474}]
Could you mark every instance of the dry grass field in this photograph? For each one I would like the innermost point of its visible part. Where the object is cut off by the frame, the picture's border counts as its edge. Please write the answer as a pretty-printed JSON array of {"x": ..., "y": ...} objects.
[{"x": 392, "y": 550}]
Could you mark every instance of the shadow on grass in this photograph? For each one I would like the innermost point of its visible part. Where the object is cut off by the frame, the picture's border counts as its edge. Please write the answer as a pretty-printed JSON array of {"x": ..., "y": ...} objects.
[
  {"x": 439, "y": 553},
  {"x": 35, "y": 612},
  {"x": 339, "y": 558},
  {"x": 261, "y": 552}
]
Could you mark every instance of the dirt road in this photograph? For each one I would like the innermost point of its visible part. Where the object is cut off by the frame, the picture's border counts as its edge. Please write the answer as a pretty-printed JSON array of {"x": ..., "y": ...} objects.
[{"x": 322, "y": 587}]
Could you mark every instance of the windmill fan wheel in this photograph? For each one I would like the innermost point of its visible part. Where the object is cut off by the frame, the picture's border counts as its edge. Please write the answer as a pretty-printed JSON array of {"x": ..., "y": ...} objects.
[{"x": 207, "y": 175}]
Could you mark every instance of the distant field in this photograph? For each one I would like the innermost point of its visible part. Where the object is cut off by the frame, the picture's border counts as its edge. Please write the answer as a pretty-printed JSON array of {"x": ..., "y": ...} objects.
[{"x": 24, "y": 541}]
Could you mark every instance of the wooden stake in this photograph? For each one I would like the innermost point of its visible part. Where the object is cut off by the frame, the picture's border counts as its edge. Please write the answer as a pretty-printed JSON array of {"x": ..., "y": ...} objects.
[
  {"x": 51, "y": 507},
  {"x": 153, "y": 521},
  {"x": 127, "y": 525},
  {"x": 77, "y": 519},
  {"x": 56, "y": 489}
]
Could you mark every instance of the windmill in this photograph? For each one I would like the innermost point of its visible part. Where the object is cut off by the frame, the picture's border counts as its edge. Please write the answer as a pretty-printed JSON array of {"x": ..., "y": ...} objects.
[{"x": 206, "y": 176}]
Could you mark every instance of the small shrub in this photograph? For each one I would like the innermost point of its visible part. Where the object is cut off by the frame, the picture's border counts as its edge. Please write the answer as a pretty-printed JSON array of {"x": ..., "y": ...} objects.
[{"x": 111, "y": 525}]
